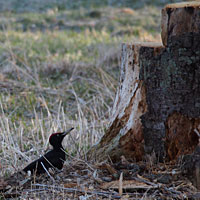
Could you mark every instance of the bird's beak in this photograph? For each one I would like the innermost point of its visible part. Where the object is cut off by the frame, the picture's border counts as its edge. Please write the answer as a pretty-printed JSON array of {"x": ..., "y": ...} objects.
[{"x": 67, "y": 132}]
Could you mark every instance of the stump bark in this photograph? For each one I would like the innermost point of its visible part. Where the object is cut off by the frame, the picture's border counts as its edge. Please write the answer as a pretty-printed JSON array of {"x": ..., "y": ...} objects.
[
  {"x": 157, "y": 105},
  {"x": 180, "y": 18}
]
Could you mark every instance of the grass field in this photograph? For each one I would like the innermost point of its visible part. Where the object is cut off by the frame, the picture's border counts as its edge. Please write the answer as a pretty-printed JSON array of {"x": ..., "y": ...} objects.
[{"x": 59, "y": 68}]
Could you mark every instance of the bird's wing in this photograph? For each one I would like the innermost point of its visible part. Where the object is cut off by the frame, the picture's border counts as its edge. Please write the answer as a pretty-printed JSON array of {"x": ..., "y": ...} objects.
[{"x": 55, "y": 159}]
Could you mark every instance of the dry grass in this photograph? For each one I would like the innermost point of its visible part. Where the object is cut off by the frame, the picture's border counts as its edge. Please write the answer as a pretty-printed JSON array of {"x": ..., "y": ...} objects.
[
  {"x": 24, "y": 139},
  {"x": 41, "y": 97},
  {"x": 30, "y": 113}
]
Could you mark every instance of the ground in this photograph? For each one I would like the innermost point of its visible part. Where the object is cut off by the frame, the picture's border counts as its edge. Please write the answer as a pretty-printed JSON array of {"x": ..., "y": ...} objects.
[{"x": 60, "y": 68}]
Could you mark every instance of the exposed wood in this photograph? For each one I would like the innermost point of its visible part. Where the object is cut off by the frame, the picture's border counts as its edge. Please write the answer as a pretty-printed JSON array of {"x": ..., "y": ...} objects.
[
  {"x": 180, "y": 134},
  {"x": 125, "y": 135},
  {"x": 180, "y": 18}
]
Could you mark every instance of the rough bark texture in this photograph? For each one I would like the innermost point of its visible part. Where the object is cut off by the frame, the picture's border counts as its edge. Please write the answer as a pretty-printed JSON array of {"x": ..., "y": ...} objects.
[
  {"x": 172, "y": 80},
  {"x": 180, "y": 18},
  {"x": 157, "y": 105}
]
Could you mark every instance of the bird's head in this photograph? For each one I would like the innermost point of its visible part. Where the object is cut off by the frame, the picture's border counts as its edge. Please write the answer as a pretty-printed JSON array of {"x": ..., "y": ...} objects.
[{"x": 56, "y": 139}]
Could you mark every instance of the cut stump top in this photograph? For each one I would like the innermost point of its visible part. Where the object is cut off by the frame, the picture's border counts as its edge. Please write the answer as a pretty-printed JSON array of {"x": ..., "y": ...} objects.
[{"x": 193, "y": 4}]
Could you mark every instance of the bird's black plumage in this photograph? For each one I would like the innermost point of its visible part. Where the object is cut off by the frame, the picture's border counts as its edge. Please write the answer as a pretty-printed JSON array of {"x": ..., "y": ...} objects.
[{"x": 52, "y": 159}]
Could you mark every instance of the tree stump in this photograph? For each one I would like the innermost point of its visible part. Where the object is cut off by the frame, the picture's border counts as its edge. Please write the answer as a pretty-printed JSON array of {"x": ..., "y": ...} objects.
[
  {"x": 180, "y": 18},
  {"x": 157, "y": 105}
]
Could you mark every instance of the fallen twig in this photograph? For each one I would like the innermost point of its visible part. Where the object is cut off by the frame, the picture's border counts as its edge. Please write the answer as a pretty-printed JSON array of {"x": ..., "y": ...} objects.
[{"x": 106, "y": 194}]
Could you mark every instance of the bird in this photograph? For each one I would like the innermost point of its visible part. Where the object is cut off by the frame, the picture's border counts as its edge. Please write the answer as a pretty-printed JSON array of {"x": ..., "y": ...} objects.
[{"x": 52, "y": 159}]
